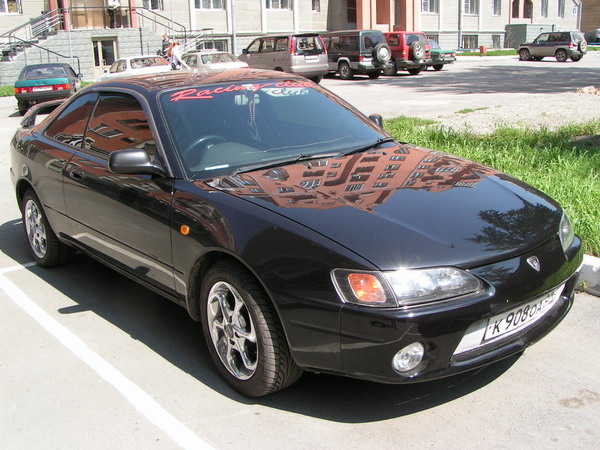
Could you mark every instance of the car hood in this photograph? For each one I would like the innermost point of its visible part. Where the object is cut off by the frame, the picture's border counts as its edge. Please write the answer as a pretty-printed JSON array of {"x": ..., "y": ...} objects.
[{"x": 406, "y": 206}]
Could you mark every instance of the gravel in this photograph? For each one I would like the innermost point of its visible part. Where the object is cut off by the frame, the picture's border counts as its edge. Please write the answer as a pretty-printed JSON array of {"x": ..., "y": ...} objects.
[{"x": 549, "y": 111}]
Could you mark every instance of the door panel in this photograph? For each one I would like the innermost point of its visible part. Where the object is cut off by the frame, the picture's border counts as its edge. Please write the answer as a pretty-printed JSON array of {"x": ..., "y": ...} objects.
[{"x": 123, "y": 218}]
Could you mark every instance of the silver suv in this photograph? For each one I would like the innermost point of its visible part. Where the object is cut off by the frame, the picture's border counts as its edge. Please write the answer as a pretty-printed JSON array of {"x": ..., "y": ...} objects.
[
  {"x": 302, "y": 54},
  {"x": 560, "y": 44}
]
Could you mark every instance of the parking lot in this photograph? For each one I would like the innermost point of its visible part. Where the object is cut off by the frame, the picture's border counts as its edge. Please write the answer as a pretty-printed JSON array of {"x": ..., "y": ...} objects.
[{"x": 89, "y": 359}]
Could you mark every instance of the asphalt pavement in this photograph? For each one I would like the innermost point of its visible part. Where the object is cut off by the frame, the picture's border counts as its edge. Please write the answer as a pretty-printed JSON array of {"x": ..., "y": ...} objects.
[{"x": 89, "y": 359}]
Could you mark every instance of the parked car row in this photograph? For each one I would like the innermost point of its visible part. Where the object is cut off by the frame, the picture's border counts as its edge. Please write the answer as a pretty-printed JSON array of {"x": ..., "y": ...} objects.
[{"x": 346, "y": 53}]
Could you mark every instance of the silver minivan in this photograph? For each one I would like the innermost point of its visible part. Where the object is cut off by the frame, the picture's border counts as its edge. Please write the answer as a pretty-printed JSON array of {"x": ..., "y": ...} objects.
[{"x": 302, "y": 54}]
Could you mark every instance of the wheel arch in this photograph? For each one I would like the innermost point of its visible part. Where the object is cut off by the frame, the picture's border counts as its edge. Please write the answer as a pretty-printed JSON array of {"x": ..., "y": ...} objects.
[
  {"x": 198, "y": 272},
  {"x": 22, "y": 186}
]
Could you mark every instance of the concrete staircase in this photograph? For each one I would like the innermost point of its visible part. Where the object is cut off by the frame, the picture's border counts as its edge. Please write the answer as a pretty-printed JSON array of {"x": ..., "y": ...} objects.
[{"x": 76, "y": 45}]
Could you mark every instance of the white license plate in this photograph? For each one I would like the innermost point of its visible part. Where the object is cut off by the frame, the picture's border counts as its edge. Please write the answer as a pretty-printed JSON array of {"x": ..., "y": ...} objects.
[
  {"x": 311, "y": 58},
  {"x": 41, "y": 88},
  {"x": 518, "y": 318}
]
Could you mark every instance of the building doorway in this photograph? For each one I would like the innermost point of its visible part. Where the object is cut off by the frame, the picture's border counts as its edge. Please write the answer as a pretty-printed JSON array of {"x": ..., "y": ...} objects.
[{"x": 105, "y": 53}]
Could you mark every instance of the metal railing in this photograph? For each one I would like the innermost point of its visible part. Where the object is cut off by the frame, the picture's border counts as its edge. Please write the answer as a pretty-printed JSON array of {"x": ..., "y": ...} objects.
[{"x": 48, "y": 51}]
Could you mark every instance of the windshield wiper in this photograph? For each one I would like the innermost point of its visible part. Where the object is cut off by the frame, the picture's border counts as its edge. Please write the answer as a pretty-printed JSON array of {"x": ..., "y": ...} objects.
[
  {"x": 364, "y": 148},
  {"x": 283, "y": 162}
]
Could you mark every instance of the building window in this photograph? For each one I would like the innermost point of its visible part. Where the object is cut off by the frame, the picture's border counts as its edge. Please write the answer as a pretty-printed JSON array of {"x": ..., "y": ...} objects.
[
  {"x": 470, "y": 41},
  {"x": 278, "y": 4},
  {"x": 561, "y": 8},
  {"x": 496, "y": 41},
  {"x": 11, "y": 7},
  {"x": 310, "y": 184},
  {"x": 209, "y": 4},
  {"x": 527, "y": 9},
  {"x": 316, "y": 5},
  {"x": 472, "y": 7},
  {"x": 354, "y": 187},
  {"x": 496, "y": 7},
  {"x": 429, "y": 6},
  {"x": 153, "y": 5},
  {"x": 544, "y": 8},
  {"x": 516, "y": 6},
  {"x": 220, "y": 45}
]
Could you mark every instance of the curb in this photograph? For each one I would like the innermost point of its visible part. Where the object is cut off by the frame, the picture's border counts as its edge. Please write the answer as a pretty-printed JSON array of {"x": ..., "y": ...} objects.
[{"x": 589, "y": 279}]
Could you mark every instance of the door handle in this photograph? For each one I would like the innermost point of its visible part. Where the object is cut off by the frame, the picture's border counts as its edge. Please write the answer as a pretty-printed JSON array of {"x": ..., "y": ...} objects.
[{"x": 76, "y": 173}]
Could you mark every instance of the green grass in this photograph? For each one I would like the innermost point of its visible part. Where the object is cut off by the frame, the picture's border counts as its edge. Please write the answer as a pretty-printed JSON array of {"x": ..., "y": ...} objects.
[
  {"x": 470, "y": 110},
  {"x": 7, "y": 91},
  {"x": 564, "y": 163},
  {"x": 503, "y": 52}
]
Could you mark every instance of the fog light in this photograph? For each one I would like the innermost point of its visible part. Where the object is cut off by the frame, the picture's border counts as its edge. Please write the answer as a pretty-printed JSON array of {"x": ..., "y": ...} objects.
[{"x": 409, "y": 357}]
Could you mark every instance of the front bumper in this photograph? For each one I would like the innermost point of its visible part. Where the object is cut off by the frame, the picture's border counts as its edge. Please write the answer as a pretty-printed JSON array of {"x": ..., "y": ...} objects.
[{"x": 371, "y": 336}]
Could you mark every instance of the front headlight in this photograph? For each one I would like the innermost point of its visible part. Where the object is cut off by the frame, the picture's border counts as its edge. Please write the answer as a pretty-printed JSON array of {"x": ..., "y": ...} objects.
[
  {"x": 565, "y": 232},
  {"x": 404, "y": 287}
]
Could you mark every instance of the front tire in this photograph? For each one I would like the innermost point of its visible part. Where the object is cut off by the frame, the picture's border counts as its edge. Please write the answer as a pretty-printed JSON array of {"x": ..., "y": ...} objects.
[
  {"x": 244, "y": 336},
  {"x": 524, "y": 54},
  {"x": 438, "y": 66},
  {"x": 374, "y": 75},
  {"x": 415, "y": 71},
  {"x": 45, "y": 247}
]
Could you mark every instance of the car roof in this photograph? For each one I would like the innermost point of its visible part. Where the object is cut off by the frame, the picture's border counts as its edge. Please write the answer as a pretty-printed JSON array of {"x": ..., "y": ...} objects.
[{"x": 154, "y": 83}]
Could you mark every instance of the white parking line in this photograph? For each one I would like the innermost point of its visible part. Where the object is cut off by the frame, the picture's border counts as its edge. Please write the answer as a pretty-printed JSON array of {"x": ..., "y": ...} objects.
[{"x": 143, "y": 402}]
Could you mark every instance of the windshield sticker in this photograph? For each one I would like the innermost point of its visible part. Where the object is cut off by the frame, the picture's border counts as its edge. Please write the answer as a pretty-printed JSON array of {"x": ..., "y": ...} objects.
[{"x": 201, "y": 94}]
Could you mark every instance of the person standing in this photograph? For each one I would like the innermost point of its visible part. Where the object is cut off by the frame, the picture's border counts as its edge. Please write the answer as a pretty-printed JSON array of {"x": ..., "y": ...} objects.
[
  {"x": 114, "y": 7},
  {"x": 175, "y": 58}
]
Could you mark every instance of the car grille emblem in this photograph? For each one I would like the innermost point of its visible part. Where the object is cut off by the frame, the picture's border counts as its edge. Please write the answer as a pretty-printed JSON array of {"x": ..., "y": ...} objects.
[{"x": 534, "y": 262}]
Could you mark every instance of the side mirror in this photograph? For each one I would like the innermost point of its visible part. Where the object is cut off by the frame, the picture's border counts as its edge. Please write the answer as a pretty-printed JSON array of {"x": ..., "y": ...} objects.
[
  {"x": 134, "y": 161},
  {"x": 41, "y": 108},
  {"x": 245, "y": 51},
  {"x": 377, "y": 119},
  {"x": 80, "y": 76}
]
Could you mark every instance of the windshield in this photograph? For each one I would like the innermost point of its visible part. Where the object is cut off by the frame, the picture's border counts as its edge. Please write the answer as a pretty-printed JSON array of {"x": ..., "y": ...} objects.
[{"x": 219, "y": 129}]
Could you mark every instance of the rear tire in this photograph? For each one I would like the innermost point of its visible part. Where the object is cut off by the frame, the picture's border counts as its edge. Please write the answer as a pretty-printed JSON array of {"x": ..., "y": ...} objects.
[
  {"x": 45, "y": 247},
  {"x": 561, "y": 55},
  {"x": 576, "y": 58},
  {"x": 374, "y": 75},
  {"x": 390, "y": 70},
  {"x": 438, "y": 66},
  {"x": 243, "y": 333},
  {"x": 345, "y": 71},
  {"x": 23, "y": 107}
]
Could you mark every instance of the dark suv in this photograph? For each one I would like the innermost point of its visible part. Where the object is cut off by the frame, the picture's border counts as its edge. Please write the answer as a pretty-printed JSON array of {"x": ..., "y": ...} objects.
[
  {"x": 410, "y": 51},
  {"x": 560, "y": 44},
  {"x": 357, "y": 51}
]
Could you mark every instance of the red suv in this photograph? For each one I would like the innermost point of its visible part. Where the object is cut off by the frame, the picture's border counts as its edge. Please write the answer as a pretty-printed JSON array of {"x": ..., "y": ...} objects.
[{"x": 410, "y": 51}]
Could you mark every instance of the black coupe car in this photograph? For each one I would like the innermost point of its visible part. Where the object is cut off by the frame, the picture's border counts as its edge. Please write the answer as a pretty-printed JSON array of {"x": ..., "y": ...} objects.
[{"x": 300, "y": 233}]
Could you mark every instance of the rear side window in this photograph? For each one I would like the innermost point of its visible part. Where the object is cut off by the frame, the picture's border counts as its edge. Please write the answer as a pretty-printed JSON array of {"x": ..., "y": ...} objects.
[
  {"x": 268, "y": 45},
  {"x": 69, "y": 125},
  {"x": 119, "y": 123},
  {"x": 282, "y": 44},
  {"x": 371, "y": 40},
  {"x": 349, "y": 43}
]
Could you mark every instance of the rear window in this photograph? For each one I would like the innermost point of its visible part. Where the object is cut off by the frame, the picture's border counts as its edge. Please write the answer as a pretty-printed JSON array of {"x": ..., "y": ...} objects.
[
  {"x": 308, "y": 45},
  {"x": 370, "y": 40},
  {"x": 41, "y": 72},
  {"x": 148, "y": 61},
  {"x": 410, "y": 38},
  {"x": 218, "y": 58}
]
